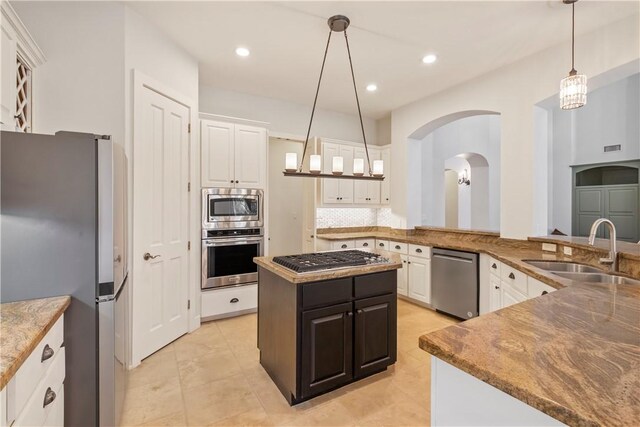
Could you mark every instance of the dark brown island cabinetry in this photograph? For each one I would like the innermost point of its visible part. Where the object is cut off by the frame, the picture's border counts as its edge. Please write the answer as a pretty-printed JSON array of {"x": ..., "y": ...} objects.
[{"x": 318, "y": 336}]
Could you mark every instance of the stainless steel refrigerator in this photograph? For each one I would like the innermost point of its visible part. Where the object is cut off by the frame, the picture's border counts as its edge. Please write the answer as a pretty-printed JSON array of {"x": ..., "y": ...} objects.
[{"x": 63, "y": 232}]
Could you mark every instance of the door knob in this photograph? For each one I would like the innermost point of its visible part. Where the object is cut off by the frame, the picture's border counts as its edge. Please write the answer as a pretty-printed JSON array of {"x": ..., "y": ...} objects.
[{"x": 147, "y": 256}]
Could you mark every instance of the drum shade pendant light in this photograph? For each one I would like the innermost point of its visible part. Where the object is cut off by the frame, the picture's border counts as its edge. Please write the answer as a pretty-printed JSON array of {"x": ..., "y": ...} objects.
[
  {"x": 338, "y": 24},
  {"x": 573, "y": 88}
]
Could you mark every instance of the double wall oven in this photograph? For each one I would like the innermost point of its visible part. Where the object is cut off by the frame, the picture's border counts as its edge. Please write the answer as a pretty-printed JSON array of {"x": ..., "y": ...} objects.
[{"x": 232, "y": 235}]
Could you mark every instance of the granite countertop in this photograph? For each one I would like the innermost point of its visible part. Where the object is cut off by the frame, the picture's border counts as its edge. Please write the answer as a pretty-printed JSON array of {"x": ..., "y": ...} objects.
[
  {"x": 315, "y": 276},
  {"x": 573, "y": 354},
  {"x": 23, "y": 324}
]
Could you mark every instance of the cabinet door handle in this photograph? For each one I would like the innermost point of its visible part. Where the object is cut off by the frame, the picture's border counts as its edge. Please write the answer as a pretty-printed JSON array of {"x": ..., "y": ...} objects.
[
  {"x": 231, "y": 181},
  {"x": 365, "y": 245},
  {"x": 344, "y": 246},
  {"x": 234, "y": 300},
  {"x": 512, "y": 276},
  {"x": 404, "y": 262},
  {"x": 49, "y": 396},
  {"x": 47, "y": 353},
  {"x": 419, "y": 250},
  {"x": 237, "y": 181},
  {"x": 349, "y": 313},
  {"x": 359, "y": 311},
  {"x": 397, "y": 246},
  {"x": 408, "y": 262},
  {"x": 497, "y": 287},
  {"x": 544, "y": 292},
  {"x": 494, "y": 265}
]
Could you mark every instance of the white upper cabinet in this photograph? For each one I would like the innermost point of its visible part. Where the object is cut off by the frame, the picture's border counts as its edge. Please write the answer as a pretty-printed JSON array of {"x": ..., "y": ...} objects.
[
  {"x": 385, "y": 186},
  {"x": 353, "y": 192},
  {"x": 233, "y": 155},
  {"x": 217, "y": 154},
  {"x": 337, "y": 191},
  {"x": 250, "y": 156}
]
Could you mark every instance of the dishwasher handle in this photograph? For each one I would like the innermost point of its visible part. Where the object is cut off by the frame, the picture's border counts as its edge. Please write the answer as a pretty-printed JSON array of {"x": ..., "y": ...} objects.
[{"x": 453, "y": 258}]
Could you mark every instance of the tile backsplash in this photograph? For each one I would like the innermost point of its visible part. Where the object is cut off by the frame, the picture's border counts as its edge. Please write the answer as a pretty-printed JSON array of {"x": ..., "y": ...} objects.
[{"x": 355, "y": 217}]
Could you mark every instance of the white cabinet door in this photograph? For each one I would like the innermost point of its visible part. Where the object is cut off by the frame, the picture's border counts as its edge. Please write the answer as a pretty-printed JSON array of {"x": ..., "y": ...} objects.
[
  {"x": 495, "y": 300},
  {"x": 360, "y": 188},
  {"x": 510, "y": 296},
  {"x": 250, "y": 155},
  {"x": 385, "y": 186},
  {"x": 403, "y": 276},
  {"x": 419, "y": 279},
  {"x": 373, "y": 187},
  {"x": 345, "y": 186},
  {"x": 330, "y": 187},
  {"x": 216, "y": 139}
]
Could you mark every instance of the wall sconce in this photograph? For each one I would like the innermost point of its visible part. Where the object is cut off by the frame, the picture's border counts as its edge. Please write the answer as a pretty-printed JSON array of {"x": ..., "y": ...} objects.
[{"x": 463, "y": 178}]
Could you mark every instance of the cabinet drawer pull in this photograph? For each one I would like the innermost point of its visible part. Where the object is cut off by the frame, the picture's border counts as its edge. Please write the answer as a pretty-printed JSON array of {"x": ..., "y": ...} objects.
[
  {"x": 397, "y": 246},
  {"x": 544, "y": 292},
  {"x": 360, "y": 311},
  {"x": 497, "y": 287},
  {"x": 234, "y": 300},
  {"x": 344, "y": 246},
  {"x": 47, "y": 353},
  {"x": 381, "y": 245},
  {"x": 364, "y": 245},
  {"x": 49, "y": 396},
  {"x": 512, "y": 276},
  {"x": 419, "y": 250},
  {"x": 494, "y": 265},
  {"x": 349, "y": 313}
]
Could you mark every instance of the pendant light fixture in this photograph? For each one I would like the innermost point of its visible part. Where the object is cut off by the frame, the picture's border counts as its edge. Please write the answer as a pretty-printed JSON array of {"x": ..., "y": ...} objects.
[
  {"x": 573, "y": 88},
  {"x": 361, "y": 167}
]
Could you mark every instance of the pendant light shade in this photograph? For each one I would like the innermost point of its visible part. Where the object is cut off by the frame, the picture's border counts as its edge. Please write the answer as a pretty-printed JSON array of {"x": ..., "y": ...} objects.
[{"x": 573, "y": 88}]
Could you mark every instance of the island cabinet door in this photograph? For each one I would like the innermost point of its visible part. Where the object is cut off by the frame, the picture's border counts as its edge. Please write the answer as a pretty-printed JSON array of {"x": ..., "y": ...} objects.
[
  {"x": 327, "y": 335},
  {"x": 375, "y": 334}
]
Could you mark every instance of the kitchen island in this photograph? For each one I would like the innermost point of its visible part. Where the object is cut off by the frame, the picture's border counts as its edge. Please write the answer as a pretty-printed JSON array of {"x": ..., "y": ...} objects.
[{"x": 320, "y": 330}]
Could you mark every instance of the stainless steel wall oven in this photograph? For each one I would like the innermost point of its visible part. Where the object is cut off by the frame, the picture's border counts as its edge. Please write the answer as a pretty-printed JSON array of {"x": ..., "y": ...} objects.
[{"x": 232, "y": 235}]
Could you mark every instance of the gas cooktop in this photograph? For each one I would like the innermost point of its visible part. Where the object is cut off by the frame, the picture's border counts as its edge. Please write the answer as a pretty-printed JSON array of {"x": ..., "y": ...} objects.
[{"x": 328, "y": 260}]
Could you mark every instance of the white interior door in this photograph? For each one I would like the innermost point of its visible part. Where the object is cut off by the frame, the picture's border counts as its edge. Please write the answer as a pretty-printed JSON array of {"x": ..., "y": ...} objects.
[{"x": 160, "y": 221}]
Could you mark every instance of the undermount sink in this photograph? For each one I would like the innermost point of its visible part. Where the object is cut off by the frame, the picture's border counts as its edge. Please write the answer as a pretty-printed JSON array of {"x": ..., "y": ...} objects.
[
  {"x": 597, "y": 278},
  {"x": 563, "y": 266}
]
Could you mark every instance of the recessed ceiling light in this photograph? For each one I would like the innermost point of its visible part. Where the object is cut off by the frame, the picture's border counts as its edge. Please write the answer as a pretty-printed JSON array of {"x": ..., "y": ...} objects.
[
  {"x": 372, "y": 87},
  {"x": 430, "y": 58},
  {"x": 242, "y": 51}
]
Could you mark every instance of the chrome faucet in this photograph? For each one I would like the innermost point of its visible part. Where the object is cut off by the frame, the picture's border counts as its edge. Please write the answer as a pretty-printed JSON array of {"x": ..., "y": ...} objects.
[{"x": 612, "y": 260}]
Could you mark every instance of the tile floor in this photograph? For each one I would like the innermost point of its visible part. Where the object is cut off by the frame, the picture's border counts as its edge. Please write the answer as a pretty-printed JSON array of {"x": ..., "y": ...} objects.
[{"x": 213, "y": 377}]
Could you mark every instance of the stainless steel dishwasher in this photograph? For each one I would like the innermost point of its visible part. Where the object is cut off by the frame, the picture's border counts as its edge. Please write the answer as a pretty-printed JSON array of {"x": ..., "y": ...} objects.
[{"x": 454, "y": 282}]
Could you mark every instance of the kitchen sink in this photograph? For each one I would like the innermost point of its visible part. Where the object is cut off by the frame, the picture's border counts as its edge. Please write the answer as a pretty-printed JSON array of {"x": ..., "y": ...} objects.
[
  {"x": 563, "y": 266},
  {"x": 597, "y": 278}
]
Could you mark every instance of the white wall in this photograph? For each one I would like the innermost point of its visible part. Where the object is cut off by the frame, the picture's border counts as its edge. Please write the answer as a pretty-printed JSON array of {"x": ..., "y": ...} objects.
[
  {"x": 513, "y": 92},
  {"x": 477, "y": 134},
  {"x": 578, "y": 137},
  {"x": 80, "y": 87},
  {"x": 287, "y": 117}
]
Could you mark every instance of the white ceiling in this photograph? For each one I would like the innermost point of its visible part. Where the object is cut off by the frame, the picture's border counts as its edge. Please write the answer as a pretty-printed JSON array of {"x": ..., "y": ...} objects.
[{"x": 387, "y": 39}]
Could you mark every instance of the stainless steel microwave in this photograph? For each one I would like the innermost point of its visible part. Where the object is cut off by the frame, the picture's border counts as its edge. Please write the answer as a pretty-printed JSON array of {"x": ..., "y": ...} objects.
[{"x": 231, "y": 208}]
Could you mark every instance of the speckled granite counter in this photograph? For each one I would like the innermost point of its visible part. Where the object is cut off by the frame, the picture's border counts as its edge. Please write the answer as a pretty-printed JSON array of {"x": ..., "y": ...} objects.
[
  {"x": 22, "y": 325},
  {"x": 573, "y": 354},
  {"x": 316, "y": 276}
]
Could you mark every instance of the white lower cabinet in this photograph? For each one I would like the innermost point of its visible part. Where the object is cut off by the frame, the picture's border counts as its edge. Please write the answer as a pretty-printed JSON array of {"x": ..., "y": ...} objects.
[
  {"x": 343, "y": 244},
  {"x": 35, "y": 394},
  {"x": 507, "y": 286},
  {"x": 403, "y": 276},
  {"x": 227, "y": 302},
  {"x": 365, "y": 243},
  {"x": 419, "y": 279}
]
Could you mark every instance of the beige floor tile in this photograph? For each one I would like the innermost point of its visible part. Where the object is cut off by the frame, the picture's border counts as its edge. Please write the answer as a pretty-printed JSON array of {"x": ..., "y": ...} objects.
[
  {"x": 152, "y": 401},
  {"x": 155, "y": 369},
  {"x": 220, "y": 363},
  {"x": 213, "y": 377}
]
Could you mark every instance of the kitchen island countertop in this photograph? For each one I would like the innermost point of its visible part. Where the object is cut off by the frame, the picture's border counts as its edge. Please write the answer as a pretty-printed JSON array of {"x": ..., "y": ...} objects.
[{"x": 23, "y": 324}]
